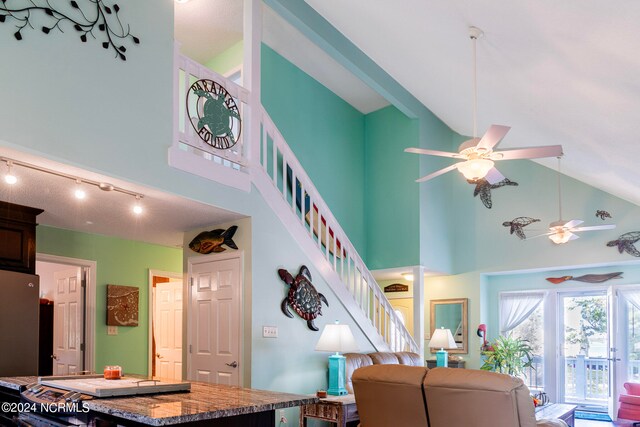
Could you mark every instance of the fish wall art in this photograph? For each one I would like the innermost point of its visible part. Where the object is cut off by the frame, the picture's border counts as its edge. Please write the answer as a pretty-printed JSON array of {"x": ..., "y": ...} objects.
[
  {"x": 625, "y": 243},
  {"x": 588, "y": 278},
  {"x": 483, "y": 188},
  {"x": 212, "y": 241}
]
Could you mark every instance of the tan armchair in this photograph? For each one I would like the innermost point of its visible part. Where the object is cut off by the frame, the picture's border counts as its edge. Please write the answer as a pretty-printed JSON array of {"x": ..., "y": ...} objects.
[{"x": 398, "y": 395}]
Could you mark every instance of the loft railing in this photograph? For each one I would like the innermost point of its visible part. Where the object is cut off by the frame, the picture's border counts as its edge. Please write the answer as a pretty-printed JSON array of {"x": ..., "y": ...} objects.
[
  {"x": 287, "y": 176},
  {"x": 309, "y": 209}
]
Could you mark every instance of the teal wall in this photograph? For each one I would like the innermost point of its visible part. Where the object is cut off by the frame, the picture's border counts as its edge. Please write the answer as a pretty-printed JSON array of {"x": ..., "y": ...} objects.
[
  {"x": 118, "y": 262},
  {"x": 485, "y": 250},
  {"x": 227, "y": 60},
  {"x": 325, "y": 133},
  {"x": 391, "y": 196}
]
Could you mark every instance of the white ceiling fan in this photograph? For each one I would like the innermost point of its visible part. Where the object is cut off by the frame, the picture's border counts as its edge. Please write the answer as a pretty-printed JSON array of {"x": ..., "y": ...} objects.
[
  {"x": 477, "y": 153},
  {"x": 562, "y": 231}
]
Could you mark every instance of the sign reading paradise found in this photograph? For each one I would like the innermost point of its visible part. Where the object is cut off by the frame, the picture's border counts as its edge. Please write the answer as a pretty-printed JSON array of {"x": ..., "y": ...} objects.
[
  {"x": 214, "y": 114},
  {"x": 396, "y": 287}
]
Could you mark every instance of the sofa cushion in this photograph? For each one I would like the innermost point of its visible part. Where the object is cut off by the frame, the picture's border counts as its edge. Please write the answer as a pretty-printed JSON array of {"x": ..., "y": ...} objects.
[
  {"x": 353, "y": 362},
  {"x": 409, "y": 358},
  {"x": 482, "y": 394},
  {"x": 390, "y": 395},
  {"x": 384, "y": 358},
  {"x": 631, "y": 399}
]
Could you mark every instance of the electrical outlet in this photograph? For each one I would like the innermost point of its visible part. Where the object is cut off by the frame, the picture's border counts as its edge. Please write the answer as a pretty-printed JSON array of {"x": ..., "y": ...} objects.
[
  {"x": 270, "y": 332},
  {"x": 112, "y": 330}
]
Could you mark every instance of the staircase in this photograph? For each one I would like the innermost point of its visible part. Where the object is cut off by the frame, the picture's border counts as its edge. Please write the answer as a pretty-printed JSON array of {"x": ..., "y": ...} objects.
[{"x": 279, "y": 177}]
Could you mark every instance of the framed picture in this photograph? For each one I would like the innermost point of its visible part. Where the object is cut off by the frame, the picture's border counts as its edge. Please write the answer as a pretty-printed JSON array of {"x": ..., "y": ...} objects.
[{"x": 122, "y": 305}]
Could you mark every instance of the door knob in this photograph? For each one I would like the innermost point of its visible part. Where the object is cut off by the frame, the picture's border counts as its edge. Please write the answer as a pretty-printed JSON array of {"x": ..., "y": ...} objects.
[
  {"x": 233, "y": 364},
  {"x": 158, "y": 356},
  {"x": 54, "y": 357}
]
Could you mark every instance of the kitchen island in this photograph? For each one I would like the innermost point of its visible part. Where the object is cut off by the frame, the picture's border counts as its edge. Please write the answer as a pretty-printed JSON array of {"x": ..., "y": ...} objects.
[{"x": 205, "y": 404}]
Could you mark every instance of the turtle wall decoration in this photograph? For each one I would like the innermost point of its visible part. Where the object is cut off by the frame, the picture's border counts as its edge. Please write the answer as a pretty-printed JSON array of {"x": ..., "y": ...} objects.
[
  {"x": 625, "y": 243},
  {"x": 483, "y": 188},
  {"x": 516, "y": 225},
  {"x": 302, "y": 296}
]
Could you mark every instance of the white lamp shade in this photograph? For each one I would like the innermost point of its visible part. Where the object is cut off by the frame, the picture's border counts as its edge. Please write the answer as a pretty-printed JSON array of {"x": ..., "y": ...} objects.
[
  {"x": 475, "y": 168},
  {"x": 442, "y": 338},
  {"x": 338, "y": 338}
]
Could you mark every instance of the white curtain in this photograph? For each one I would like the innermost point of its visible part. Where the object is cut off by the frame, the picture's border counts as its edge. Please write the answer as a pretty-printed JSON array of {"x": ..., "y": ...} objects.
[
  {"x": 516, "y": 307},
  {"x": 633, "y": 296}
]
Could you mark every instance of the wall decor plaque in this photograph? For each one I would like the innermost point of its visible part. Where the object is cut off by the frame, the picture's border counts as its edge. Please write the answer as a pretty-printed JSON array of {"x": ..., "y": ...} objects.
[
  {"x": 122, "y": 305},
  {"x": 396, "y": 287}
]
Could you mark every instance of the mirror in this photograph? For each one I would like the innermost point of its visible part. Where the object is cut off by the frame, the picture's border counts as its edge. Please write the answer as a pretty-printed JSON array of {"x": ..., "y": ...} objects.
[{"x": 451, "y": 314}]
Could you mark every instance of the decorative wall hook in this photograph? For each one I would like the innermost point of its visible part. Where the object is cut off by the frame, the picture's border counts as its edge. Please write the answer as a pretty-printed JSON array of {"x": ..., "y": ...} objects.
[{"x": 94, "y": 18}]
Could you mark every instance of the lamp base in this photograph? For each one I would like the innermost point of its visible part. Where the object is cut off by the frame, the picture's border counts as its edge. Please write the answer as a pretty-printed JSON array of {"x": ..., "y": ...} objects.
[
  {"x": 442, "y": 358},
  {"x": 336, "y": 375}
]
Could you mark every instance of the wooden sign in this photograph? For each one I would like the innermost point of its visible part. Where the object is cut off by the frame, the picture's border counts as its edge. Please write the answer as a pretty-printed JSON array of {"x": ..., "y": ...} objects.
[{"x": 397, "y": 287}]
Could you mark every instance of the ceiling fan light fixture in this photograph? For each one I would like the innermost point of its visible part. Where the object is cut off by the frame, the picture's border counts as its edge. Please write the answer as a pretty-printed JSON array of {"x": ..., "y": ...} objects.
[
  {"x": 475, "y": 168},
  {"x": 561, "y": 237}
]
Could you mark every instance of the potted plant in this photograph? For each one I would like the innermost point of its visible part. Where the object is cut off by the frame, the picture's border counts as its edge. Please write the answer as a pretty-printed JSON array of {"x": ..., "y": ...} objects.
[{"x": 508, "y": 355}]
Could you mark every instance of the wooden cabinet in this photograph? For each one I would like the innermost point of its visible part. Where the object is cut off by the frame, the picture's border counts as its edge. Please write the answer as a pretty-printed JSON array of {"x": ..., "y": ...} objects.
[
  {"x": 452, "y": 364},
  {"x": 18, "y": 237}
]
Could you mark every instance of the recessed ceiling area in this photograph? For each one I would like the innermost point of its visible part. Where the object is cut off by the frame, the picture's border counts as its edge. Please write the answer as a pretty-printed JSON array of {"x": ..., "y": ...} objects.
[
  {"x": 206, "y": 28},
  {"x": 163, "y": 221}
]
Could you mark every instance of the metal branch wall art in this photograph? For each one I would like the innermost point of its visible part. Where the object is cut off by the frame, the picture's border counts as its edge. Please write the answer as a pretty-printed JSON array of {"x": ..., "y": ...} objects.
[
  {"x": 484, "y": 189},
  {"x": 625, "y": 242},
  {"x": 516, "y": 225},
  {"x": 94, "y": 18}
]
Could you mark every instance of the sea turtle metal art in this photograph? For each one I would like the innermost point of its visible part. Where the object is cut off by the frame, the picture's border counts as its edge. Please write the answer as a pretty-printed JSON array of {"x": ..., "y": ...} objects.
[
  {"x": 516, "y": 225},
  {"x": 484, "y": 189},
  {"x": 602, "y": 214},
  {"x": 625, "y": 243},
  {"x": 302, "y": 296}
]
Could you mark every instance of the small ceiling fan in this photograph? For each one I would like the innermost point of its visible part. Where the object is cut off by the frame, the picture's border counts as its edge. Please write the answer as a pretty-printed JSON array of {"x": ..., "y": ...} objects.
[
  {"x": 562, "y": 231},
  {"x": 477, "y": 153}
]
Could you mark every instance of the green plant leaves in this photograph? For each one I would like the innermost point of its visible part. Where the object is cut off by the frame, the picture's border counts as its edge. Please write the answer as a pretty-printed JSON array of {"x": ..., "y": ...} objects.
[{"x": 508, "y": 356}]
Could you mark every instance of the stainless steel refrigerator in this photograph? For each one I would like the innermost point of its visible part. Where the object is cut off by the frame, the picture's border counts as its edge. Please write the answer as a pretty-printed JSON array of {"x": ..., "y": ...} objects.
[{"x": 19, "y": 323}]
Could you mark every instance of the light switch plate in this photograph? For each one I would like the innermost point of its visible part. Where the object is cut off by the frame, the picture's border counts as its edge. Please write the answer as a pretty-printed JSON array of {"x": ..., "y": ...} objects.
[
  {"x": 270, "y": 332},
  {"x": 112, "y": 330}
]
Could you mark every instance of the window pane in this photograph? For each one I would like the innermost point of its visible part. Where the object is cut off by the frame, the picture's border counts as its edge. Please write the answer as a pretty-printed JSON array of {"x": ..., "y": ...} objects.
[{"x": 532, "y": 330}]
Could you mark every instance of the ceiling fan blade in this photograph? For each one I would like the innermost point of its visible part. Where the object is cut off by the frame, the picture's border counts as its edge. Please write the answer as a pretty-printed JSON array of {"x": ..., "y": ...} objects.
[
  {"x": 595, "y": 227},
  {"x": 572, "y": 224},
  {"x": 494, "y": 176},
  {"x": 432, "y": 152},
  {"x": 492, "y": 137},
  {"x": 573, "y": 236},
  {"x": 528, "y": 153},
  {"x": 437, "y": 173}
]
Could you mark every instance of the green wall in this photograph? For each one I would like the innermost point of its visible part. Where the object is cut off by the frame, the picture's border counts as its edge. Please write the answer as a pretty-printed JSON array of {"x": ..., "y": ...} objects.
[
  {"x": 119, "y": 262},
  {"x": 325, "y": 133},
  {"x": 227, "y": 60},
  {"x": 391, "y": 196}
]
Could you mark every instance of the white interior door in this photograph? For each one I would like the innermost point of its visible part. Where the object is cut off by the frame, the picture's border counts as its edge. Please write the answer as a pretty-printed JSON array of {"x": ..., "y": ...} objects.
[
  {"x": 67, "y": 321},
  {"x": 167, "y": 326},
  {"x": 215, "y": 319}
]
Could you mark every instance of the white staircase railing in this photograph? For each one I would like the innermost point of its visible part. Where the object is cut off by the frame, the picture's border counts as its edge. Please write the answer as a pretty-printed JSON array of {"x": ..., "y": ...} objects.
[
  {"x": 306, "y": 208},
  {"x": 284, "y": 184}
]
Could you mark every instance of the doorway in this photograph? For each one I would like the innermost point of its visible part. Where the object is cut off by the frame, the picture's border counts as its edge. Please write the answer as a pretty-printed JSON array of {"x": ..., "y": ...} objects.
[
  {"x": 165, "y": 317},
  {"x": 67, "y": 307},
  {"x": 584, "y": 319},
  {"x": 215, "y": 334}
]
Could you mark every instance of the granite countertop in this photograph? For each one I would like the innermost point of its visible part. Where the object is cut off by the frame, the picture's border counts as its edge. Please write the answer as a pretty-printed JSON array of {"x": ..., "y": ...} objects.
[
  {"x": 204, "y": 402},
  {"x": 16, "y": 383}
]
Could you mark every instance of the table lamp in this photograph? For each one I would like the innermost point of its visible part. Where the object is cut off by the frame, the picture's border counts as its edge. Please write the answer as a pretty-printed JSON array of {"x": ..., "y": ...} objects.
[
  {"x": 338, "y": 338},
  {"x": 442, "y": 339}
]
